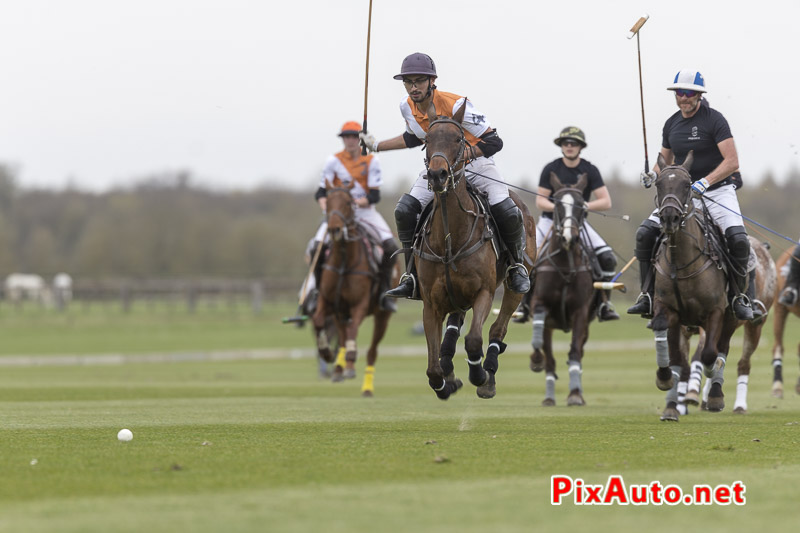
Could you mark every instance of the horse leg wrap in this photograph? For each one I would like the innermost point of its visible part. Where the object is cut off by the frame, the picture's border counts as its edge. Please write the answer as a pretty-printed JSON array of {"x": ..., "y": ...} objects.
[
  {"x": 696, "y": 376},
  {"x": 369, "y": 379},
  {"x": 538, "y": 330},
  {"x": 741, "y": 392},
  {"x": 682, "y": 388},
  {"x": 706, "y": 389},
  {"x": 350, "y": 347},
  {"x": 449, "y": 343},
  {"x": 340, "y": 359},
  {"x": 662, "y": 348},
  {"x": 777, "y": 370},
  {"x": 672, "y": 394},
  {"x": 719, "y": 369},
  {"x": 496, "y": 347},
  {"x": 322, "y": 340},
  {"x": 550, "y": 386},
  {"x": 575, "y": 376}
]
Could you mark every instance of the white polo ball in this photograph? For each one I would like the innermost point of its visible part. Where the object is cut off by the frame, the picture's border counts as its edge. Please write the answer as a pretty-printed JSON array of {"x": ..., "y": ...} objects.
[{"x": 125, "y": 435}]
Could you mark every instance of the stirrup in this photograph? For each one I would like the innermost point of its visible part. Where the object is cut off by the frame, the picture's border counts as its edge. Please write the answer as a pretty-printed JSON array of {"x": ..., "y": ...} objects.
[
  {"x": 645, "y": 314},
  {"x": 525, "y": 275},
  {"x": 745, "y": 306},
  {"x": 788, "y": 297},
  {"x": 403, "y": 281},
  {"x": 607, "y": 307}
]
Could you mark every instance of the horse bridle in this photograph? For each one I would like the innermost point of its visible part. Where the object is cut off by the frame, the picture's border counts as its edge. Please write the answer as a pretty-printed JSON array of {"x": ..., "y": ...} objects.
[
  {"x": 346, "y": 220},
  {"x": 558, "y": 220},
  {"x": 454, "y": 176},
  {"x": 672, "y": 200}
]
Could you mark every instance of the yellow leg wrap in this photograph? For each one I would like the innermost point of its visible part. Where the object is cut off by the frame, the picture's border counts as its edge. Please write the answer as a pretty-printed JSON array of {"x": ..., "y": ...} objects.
[
  {"x": 340, "y": 360},
  {"x": 369, "y": 379}
]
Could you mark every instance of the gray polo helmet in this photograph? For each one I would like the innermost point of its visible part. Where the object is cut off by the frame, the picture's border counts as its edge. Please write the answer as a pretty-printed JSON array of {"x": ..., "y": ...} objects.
[
  {"x": 417, "y": 63},
  {"x": 571, "y": 132}
]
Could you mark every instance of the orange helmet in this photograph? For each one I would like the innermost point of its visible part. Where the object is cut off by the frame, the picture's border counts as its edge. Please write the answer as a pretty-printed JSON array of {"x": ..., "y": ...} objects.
[{"x": 350, "y": 128}]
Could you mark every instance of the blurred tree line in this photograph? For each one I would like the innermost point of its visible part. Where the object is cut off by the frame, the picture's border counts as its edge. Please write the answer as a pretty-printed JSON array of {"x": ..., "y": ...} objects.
[{"x": 165, "y": 226}]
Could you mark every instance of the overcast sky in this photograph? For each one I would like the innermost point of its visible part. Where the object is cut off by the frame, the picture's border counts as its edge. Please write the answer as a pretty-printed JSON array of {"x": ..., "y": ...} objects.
[{"x": 100, "y": 93}]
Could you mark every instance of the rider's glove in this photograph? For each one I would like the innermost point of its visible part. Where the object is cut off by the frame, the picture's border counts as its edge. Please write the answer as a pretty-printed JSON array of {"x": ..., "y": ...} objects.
[
  {"x": 368, "y": 141},
  {"x": 700, "y": 186},
  {"x": 647, "y": 178}
]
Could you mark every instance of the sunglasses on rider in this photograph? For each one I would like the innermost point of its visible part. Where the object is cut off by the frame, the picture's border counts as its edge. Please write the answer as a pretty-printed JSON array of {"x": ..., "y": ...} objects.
[
  {"x": 685, "y": 92},
  {"x": 570, "y": 142}
]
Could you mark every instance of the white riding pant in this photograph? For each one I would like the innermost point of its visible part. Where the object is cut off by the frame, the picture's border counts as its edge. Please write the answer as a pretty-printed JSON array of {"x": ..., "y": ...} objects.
[
  {"x": 589, "y": 235},
  {"x": 478, "y": 173},
  {"x": 724, "y": 210},
  {"x": 367, "y": 216}
]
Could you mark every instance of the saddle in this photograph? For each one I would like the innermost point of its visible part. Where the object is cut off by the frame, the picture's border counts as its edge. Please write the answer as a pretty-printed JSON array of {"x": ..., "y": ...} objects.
[{"x": 422, "y": 248}]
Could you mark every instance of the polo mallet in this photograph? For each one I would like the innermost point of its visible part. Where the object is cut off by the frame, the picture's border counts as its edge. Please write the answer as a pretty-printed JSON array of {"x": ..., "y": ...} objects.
[
  {"x": 635, "y": 31},
  {"x": 366, "y": 79},
  {"x": 300, "y": 317},
  {"x": 614, "y": 284}
]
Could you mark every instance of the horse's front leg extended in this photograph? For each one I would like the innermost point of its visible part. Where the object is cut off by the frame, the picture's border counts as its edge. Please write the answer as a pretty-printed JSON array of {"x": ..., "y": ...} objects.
[
  {"x": 778, "y": 324},
  {"x": 482, "y": 377},
  {"x": 580, "y": 325},
  {"x": 432, "y": 323},
  {"x": 539, "y": 318},
  {"x": 676, "y": 355},
  {"x": 448, "y": 349},
  {"x": 721, "y": 326},
  {"x": 661, "y": 323}
]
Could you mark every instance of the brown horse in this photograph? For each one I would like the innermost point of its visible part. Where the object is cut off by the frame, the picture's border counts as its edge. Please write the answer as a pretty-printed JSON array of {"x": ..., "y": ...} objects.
[
  {"x": 766, "y": 282},
  {"x": 458, "y": 267},
  {"x": 349, "y": 290},
  {"x": 689, "y": 289},
  {"x": 563, "y": 297},
  {"x": 781, "y": 314}
]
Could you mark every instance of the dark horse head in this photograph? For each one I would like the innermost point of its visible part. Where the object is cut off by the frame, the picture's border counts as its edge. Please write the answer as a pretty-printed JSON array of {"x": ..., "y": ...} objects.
[
  {"x": 341, "y": 214},
  {"x": 673, "y": 193},
  {"x": 569, "y": 210},
  {"x": 444, "y": 154}
]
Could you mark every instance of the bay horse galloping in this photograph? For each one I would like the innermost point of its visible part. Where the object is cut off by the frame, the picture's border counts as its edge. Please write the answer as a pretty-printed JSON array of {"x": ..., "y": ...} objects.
[
  {"x": 349, "y": 289},
  {"x": 458, "y": 265},
  {"x": 690, "y": 288},
  {"x": 782, "y": 312},
  {"x": 563, "y": 296}
]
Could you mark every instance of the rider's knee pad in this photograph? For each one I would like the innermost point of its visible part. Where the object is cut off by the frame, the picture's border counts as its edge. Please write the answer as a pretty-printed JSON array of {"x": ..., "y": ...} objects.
[
  {"x": 608, "y": 263},
  {"x": 738, "y": 243},
  {"x": 507, "y": 215},
  {"x": 646, "y": 237},
  {"x": 405, "y": 215}
]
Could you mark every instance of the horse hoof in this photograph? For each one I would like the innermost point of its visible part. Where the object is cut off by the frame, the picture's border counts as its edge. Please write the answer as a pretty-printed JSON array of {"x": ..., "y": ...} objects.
[
  {"x": 338, "y": 375},
  {"x": 704, "y": 406},
  {"x": 777, "y": 390},
  {"x": 716, "y": 398},
  {"x": 537, "y": 363},
  {"x": 740, "y": 410},
  {"x": 575, "y": 398},
  {"x": 692, "y": 398},
  {"x": 548, "y": 402},
  {"x": 670, "y": 414},
  {"x": 664, "y": 379},
  {"x": 487, "y": 390},
  {"x": 349, "y": 373},
  {"x": 367, "y": 394}
]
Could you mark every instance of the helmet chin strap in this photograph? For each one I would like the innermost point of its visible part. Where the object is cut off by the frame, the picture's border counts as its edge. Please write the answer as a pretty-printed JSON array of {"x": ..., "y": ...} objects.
[{"x": 431, "y": 88}]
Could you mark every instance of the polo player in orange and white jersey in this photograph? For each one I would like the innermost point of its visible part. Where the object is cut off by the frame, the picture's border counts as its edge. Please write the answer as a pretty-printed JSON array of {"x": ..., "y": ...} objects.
[
  {"x": 349, "y": 166},
  {"x": 418, "y": 73}
]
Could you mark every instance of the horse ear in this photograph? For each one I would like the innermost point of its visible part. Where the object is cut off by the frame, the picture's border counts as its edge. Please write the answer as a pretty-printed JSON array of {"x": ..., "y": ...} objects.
[
  {"x": 459, "y": 116},
  {"x": 555, "y": 183},
  {"x": 582, "y": 179},
  {"x": 687, "y": 163},
  {"x": 660, "y": 161}
]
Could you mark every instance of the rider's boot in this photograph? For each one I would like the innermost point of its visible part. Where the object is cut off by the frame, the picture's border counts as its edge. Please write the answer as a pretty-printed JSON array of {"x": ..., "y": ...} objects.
[
  {"x": 309, "y": 304},
  {"x": 385, "y": 275},
  {"x": 511, "y": 227},
  {"x": 608, "y": 264},
  {"x": 646, "y": 237},
  {"x": 405, "y": 215},
  {"x": 788, "y": 296},
  {"x": 739, "y": 250}
]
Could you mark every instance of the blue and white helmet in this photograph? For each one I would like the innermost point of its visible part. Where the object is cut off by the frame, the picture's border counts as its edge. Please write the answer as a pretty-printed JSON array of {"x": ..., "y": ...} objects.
[{"x": 688, "y": 79}]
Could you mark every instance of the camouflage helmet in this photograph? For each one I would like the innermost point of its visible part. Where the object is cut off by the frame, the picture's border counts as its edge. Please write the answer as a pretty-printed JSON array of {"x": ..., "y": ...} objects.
[
  {"x": 571, "y": 132},
  {"x": 417, "y": 63}
]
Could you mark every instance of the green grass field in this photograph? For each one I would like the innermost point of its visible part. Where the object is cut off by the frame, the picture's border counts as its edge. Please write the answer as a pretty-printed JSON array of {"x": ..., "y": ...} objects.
[{"x": 265, "y": 445}]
